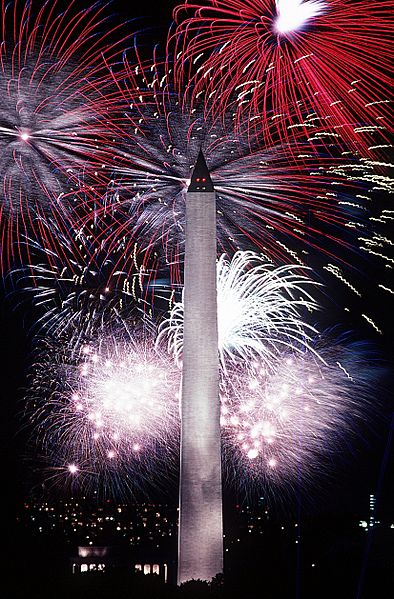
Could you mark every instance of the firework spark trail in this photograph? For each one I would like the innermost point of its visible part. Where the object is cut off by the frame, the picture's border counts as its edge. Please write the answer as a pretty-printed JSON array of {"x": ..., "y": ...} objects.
[
  {"x": 284, "y": 200},
  {"x": 56, "y": 95},
  {"x": 105, "y": 408},
  {"x": 79, "y": 290},
  {"x": 283, "y": 426},
  {"x": 260, "y": 311},
  {"x": 330, "y": 58}
]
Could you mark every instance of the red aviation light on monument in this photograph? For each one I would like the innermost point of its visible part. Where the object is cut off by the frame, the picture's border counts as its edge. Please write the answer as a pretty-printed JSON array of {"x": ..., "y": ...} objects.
[{"x": 201, "y": 179}]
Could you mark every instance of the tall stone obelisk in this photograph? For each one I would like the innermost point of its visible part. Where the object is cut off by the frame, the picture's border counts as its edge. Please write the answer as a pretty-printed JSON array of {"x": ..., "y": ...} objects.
[{"x": 200, "y": 539}]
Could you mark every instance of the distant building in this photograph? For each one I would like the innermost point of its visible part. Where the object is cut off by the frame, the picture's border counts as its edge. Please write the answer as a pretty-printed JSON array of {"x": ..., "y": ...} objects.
[
  {"x": 372, "y": 504},
  {"x": 159, "y": 569},
  {"x": 93, "y": 559},
  {"x": 103, "y": 559},
  {"x": 371, "y": 521}
]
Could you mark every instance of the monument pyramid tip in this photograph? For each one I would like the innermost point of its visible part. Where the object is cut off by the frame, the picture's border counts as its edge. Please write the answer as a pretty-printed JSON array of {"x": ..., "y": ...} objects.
[{"x": 201, "y": 179}]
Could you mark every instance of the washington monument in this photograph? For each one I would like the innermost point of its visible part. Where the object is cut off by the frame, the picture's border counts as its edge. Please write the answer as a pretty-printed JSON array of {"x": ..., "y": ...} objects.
[{"x": 200, "y": 540}]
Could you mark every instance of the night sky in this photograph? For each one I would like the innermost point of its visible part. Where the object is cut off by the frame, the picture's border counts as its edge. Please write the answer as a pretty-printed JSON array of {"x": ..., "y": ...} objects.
[{"x": 366, "y": 468}]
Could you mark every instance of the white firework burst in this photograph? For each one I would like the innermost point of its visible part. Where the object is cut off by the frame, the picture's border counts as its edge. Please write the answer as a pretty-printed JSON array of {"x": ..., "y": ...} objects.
[
  {"x": 109, "y": 408},
  {"x": 283, "y": 427},
  {"x": 293, "y": 14},
  {"x": 260, "y": 311}
]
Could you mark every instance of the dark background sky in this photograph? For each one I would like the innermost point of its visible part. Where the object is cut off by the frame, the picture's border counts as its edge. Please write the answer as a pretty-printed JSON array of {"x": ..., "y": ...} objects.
[{"x": 370, "y": 462}]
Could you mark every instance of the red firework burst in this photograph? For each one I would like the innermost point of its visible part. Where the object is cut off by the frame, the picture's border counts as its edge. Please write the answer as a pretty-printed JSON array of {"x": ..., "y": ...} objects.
[
  {"x": 329, "y": 57},
  {"x": 291, "y": 201},
  {"x": 56, "y": 98}
]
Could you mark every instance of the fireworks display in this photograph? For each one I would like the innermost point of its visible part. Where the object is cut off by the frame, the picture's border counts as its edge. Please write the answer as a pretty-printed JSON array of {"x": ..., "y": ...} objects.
[
  {"x": 107, "y": 413},
  {"x": 282, "y": 427},
  {"x": 330, "y": 58},
  {"x": 79, "y": 291},
  {"x": 287, "y": 200},
  {"x": 260, "y": 311},
  {"x": 56, "y": 96},
  {"x": 111, "y": 406},
  {"x": 287, "y": 99}
]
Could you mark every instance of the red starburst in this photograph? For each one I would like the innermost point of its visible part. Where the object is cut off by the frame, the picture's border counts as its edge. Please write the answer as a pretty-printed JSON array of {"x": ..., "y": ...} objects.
[{"x": 260, "y": 57}]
